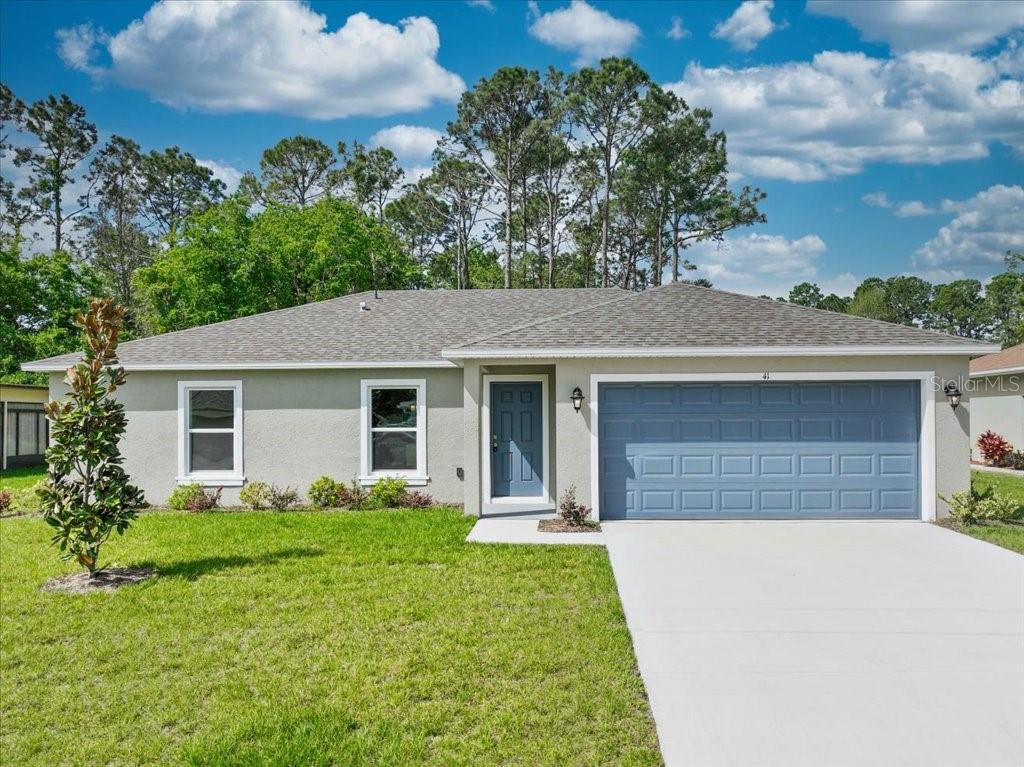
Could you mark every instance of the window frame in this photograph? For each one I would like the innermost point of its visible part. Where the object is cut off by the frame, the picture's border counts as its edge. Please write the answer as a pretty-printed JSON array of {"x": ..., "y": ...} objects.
[
  {"x": 413, "y": 477},
  {"x": 234, "y": 477}
]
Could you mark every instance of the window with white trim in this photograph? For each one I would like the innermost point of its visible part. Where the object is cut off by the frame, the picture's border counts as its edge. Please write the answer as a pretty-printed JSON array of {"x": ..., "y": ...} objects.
[
  {"x": 394, "y": 417},
  {"x": 210, "y": 431}
]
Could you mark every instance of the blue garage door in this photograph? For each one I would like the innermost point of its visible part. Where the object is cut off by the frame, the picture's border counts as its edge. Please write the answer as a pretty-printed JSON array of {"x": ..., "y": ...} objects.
[{"x": 845, "y": 450}]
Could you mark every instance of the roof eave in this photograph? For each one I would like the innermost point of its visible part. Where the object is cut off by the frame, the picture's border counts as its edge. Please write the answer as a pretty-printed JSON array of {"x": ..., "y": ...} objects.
[
  {"x": 43, "y": 366},
  {"x": 722, "y": 351},
  {"x": 998, "y": 372}
]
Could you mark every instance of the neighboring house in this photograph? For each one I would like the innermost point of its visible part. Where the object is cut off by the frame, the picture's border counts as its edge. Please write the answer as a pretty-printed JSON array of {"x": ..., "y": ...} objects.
[
  {"x": 695, "y": 403},
  {"x": 997, "y": 397},
  {"x": 23, "y": 425}
]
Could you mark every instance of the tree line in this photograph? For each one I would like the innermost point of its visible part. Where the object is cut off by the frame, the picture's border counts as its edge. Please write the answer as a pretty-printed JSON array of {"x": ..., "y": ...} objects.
[
  {"x": 962, "y": 307},
  {"x": 593, "y": 179}
]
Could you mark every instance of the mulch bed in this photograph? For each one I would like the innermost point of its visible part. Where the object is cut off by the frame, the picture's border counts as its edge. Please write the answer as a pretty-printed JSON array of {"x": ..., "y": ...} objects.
[
  {"x": 108, "y": 579},
  {"x": 561, "y": 526}
]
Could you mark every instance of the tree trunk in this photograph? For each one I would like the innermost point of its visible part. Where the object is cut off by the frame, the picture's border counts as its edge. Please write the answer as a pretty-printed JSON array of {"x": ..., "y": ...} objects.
[
  {"x": 605, "y": 215},
  {"x": 675, "y": 249}
]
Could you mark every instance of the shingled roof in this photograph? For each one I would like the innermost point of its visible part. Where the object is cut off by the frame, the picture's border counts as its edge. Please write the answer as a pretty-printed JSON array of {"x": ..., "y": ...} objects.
[
  {"x": 1007, "y": 361},
  {"x": 688, "y": 319},
  {"x": 398, "y": 327},
  {"x": 436, "y": 328}
]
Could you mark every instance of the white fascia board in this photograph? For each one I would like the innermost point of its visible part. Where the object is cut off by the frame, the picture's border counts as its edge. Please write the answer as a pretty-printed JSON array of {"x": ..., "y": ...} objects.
[
  {"x": 40, "y": 367},
  {"x": 997, "y": 372},
  {"x": 721, "y": 351}
]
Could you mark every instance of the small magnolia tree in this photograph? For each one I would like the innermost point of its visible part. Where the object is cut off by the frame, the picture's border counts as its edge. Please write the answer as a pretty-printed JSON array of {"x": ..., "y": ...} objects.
[{"x": 87, "y": 495}]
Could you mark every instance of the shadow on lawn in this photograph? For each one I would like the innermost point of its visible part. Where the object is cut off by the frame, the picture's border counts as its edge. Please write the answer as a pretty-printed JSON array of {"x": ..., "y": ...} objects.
[{"x": 191, "y": 569}]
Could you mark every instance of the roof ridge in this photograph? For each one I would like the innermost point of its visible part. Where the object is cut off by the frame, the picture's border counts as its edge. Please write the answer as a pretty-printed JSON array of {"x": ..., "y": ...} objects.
[
  {"x": 561, "y": 315},
  {"x": 856, "y": 317}
]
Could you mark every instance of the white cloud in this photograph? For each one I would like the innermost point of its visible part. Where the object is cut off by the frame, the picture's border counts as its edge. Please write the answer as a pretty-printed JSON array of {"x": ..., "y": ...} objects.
[
  {"x": 984, "y": 228},
  {"x": 411, "y": 142},
  {"x": 759, "y": 263},
  {"x": 226, "y": 173},
  {"x": 913, "y": 208},
  {"x": 76, "y": 46},
  {"x": 677, "y": 31},
  {"x": 270, "y": 57},
  {"x": 955, "y": 25},
  {"x": 806, "y": 121},
  {"x": 591, "y": 33},
  {"x": 487, "y": 5},
  {"x": 877, "y": 200},
  {"x": 748, "y": 25}
]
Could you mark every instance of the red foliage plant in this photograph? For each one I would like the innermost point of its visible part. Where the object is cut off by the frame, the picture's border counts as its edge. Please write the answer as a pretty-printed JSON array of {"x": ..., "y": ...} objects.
[{"x": 994, "y": 448}]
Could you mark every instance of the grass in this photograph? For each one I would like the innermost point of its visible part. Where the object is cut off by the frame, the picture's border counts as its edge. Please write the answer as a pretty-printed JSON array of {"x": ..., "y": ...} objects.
[
  {"x": 1008, "y": 536},
  {"x": 20, "y": 482},
  {"x": 363, "y": 638}
]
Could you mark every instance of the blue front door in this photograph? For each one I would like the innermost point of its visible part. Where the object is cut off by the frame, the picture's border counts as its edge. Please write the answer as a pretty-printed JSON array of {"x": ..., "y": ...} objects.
[{"x": 517, "y": 440}]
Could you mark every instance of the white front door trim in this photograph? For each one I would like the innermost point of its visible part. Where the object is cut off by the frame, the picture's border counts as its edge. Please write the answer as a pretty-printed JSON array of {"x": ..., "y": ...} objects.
[
  {"x": 927, "y": 436},
  {"x": 485, "y": 443}
]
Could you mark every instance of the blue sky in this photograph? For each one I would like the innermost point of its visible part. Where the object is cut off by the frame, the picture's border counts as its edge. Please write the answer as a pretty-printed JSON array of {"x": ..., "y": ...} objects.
[{"x": 889, "y": 136}]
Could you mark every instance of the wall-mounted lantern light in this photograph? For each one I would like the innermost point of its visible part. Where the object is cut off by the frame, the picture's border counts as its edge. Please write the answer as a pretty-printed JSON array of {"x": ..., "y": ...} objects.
[
  {"x": 953, "y": 393},
  {"x": 577, "y": 398}
]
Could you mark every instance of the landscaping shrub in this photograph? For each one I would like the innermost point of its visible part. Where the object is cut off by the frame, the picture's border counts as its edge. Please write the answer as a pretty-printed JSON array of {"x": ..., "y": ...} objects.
[
  {"x": 572, "y": 511},
  {"x": 970, "y": 506},
  {"x": 204, "y": 500},
  {"x": 1015, "y": 460},
  {"x": 388, "y": 492},
  {"x": 417, "y": 500},
  {"x": 6, "y": 499},
  {"x": 993, "y": 447},
  {"x": 324, "y": 493},
  {"x": 183, "y": 495},
  {"x": 255, "y": 495},
  {"x": 354, "y": 496},
  {"x": 282, "y": 498}
]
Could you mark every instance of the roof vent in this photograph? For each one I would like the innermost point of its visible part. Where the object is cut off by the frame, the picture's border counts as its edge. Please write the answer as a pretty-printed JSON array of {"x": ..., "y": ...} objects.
[{"x": 363, "y": 306}]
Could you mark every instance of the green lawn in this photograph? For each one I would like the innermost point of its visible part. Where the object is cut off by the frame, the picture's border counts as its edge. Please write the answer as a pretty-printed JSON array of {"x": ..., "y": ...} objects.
[
  {"x": 20, "y": 482},
  {"x": 1008, "y": 536},
  {"x": 363, "y": 638}
]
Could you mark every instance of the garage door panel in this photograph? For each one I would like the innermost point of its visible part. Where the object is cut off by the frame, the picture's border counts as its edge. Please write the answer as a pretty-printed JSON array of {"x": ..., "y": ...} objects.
[{"x": 807, "y": 450}]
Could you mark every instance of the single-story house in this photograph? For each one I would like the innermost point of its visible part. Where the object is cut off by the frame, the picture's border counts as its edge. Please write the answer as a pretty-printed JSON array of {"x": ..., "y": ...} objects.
[
  {"x": 997, "y": 397},
  {"x": 23, "y": 425},
  {"x": 677, "y": 402}
]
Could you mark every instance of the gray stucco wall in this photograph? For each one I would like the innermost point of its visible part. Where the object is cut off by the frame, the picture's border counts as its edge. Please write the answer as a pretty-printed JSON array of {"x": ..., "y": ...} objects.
[
  {"x": 298, "y": 425},
  {"x": 301, "y": 424},
  {"x": 571, "y": 436},
  {"x": 997, "y": 403}
]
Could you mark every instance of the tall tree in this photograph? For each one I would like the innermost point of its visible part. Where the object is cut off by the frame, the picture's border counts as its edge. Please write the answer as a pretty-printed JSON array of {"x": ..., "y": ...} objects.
[
  {"x": 609, "y": 104},
  {"x": 456, "y": 190},
  {"x": 15, "y": 210},
  {"x": 372, "y": 176},
  {"x": 295, "y": 171},
  {"x": 65, "y": 137},
  {"x": 806, "y": 294},
  {"x": 495, "y": 128},
  {"x": 959, "y": 308},
  {"x": 1004, "y": 296},
  {"x": 117, "y": 243},
  {"x": 908, "y": 298},
  {"x": 175, "y": 186},
  {"x": 558, "y": 184}
]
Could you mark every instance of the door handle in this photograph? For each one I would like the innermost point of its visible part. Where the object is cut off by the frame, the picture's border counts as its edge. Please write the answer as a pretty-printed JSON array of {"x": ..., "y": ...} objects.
[{"x": 494, "y": 443}]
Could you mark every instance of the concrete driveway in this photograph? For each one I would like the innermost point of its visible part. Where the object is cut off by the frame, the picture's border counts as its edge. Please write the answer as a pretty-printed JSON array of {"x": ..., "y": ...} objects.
[{"x": 825, "y": 643}]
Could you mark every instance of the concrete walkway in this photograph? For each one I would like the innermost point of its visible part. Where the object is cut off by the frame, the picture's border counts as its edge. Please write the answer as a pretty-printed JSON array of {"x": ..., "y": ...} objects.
[
  {"x": 506, "y": 530},
  {"x": 825, "y": 644}
]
